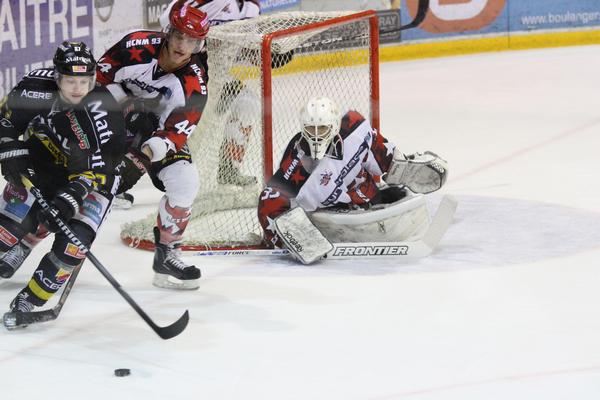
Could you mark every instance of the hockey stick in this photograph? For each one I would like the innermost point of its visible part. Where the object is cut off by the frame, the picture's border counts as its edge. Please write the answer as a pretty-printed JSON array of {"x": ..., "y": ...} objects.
[
  {"x": 16, "y": 319},
  {"x": 410, "y": 249},
  {"x": 166, "y": 332},
  {"x": 420, "y": 17}
]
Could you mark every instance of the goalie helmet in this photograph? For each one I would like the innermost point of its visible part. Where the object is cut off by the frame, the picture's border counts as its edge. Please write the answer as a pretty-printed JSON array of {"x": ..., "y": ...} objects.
[
  {"x": 320, "y": 119},
  {"x": 189, "y": 20}
]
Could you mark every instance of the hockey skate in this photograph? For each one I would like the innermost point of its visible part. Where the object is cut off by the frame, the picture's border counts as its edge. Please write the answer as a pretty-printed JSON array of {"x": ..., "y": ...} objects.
[
  {"x": 170, "y": 272},
  {"x": 228, "y": 174},
  {"x": 123, "y": 201},
  {"x": 21, "y": 303},
  {"x": 13, "y": 259}
]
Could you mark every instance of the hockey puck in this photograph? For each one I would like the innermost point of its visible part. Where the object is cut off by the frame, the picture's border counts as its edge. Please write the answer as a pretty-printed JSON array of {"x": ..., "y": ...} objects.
[{"x": 122, "y": 372}]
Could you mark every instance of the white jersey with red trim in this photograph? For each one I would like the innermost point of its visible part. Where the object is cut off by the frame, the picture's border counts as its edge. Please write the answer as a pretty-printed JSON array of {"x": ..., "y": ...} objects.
[
  {"x": 218, "y": 11},
  {"x": 130, "y": 70},
  {"x": 332, "y": 179},
  {"x": 347, "y": 176}
]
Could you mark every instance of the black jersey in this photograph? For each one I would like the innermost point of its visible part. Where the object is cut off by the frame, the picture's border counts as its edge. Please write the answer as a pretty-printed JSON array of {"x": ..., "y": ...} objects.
[{"x": 66, "y": 142}]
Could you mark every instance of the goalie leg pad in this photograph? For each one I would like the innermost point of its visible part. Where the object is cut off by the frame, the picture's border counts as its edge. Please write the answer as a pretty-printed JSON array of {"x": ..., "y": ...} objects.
[
  {"x": 301, "y": 237},
  {"x": 406, "y": 219},
  {"x": 420, "y": 172}
]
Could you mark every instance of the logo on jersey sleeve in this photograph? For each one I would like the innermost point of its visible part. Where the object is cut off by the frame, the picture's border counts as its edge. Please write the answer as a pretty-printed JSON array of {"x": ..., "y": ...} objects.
[
  {"x": 194, "y": 84},
  {"x": 32, "y": 94},
  {"x": 73, "y": 251}
]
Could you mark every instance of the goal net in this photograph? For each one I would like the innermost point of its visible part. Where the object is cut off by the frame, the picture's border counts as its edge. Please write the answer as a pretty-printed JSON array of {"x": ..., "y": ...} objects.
[{"x": 261, "y": 72}]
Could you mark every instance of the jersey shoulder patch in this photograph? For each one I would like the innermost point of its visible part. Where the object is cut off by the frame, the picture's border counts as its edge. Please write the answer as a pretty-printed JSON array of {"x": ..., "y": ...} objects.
[
  {"x": 350, "y": 121},
  {"x": 139, "y": 47},
  {"x": 38, "y": 84},
  {"x": 193, "y": 79},
  {"x": 142, "y": 39}
]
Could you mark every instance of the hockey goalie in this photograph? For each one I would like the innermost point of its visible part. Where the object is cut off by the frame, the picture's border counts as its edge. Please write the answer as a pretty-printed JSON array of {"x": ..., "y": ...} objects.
[{"x": 327, "y": 188}]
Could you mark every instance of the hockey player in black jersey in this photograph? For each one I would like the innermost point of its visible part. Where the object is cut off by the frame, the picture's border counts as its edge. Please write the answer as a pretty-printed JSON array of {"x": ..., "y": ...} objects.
[{"x": 66, "y": 135}]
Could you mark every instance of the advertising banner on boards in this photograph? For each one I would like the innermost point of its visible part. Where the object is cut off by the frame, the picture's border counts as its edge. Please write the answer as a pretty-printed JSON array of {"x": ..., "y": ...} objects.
[
  {"x": 31, "y": 31},
  {"x": 456, "y": 18}
]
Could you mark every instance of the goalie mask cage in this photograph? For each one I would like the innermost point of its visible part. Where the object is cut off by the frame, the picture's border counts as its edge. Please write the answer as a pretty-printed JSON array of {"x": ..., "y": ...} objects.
[{"x": 261, "y": 72}]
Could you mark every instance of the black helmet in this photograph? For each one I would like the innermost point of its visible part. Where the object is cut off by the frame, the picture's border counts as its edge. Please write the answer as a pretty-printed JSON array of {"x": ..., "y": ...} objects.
[{"x": 74, "y": 58}]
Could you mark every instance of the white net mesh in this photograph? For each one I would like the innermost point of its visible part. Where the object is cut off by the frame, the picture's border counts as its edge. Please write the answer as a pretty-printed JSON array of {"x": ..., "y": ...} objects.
[{"x": 228, "y": 145}]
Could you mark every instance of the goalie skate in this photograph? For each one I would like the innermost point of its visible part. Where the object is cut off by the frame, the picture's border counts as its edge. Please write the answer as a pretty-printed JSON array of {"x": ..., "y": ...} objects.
[{"x": 170, "y": 272}]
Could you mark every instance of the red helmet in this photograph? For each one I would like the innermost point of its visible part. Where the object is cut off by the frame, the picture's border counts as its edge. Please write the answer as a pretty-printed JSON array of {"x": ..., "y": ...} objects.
[{"x": 189, "y": 20}]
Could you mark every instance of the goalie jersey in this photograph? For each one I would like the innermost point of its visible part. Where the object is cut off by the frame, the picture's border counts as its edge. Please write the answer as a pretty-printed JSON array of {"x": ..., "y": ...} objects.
[{"x": 346, "y": 177}]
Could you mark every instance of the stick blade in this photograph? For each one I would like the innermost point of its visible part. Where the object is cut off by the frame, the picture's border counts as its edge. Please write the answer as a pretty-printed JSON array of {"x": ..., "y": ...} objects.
[
  {"x": 15, "y": 319},
  {"x": 441, "y": 221},
  {"x": 168, "y": 332}
]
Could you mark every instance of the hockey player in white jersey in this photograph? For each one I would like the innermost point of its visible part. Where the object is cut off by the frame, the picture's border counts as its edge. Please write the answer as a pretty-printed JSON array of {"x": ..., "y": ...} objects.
[
  {"x": 161, "y": 78},
  {"x": 335, "y": 163},
  {"x": 235, "y": 101},
  {"x": 218, "y": 11}
]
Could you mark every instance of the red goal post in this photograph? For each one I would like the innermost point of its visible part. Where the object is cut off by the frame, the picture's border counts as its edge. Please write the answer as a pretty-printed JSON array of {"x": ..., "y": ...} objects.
[{"x": 261, "y": 72}]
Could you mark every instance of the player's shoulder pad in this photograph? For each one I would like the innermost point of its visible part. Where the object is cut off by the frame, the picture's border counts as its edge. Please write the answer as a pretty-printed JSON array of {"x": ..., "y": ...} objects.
[
  {"x": 350, "y": 121},
  {"x": 38, "y": 84},
  {"x": 193, "y": 79},
  {"x": 145, "y": 39},
  {"x": 297, "y": 144},
  {"x": 291, "y": 172},
  {"x": 100, "y": 95}
]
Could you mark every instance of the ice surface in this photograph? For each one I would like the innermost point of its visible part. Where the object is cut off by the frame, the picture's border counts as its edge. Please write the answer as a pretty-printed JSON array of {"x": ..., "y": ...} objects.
[{"x": 507, "y": 308}]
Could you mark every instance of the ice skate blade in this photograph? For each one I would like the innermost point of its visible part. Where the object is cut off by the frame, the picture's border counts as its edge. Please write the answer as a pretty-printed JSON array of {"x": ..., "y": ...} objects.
[{"x": 166, "y": 281}]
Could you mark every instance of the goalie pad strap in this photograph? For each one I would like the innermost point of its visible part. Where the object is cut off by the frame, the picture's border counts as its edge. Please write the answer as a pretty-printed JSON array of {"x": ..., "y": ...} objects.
[{"x": 301, "y": 237}]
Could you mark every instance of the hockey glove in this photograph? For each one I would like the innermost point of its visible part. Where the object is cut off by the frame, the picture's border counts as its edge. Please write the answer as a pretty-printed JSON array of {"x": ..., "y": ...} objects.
[
  {"x": 142, "y": 123},
  {"x": 133, "y": 166},
  {"x": 65, "y": 205},
  {"x": 156, "y": 147},
  {"x": 15, "y": 161}
]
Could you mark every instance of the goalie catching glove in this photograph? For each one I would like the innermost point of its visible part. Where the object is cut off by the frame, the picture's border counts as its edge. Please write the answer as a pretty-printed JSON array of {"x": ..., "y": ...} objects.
[
  {"x": 420, "y": 172},
  {"x": 304, "y": 241}
]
